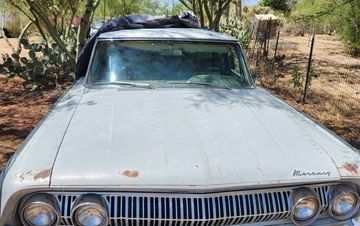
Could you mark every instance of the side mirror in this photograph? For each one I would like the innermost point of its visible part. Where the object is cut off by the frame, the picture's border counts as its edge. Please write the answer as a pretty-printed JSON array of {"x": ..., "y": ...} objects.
[{"x": 254, "y": 75}]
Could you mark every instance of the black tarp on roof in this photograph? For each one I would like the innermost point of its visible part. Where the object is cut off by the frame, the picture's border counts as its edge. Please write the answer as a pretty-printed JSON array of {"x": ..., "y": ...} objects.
[{"x": 184, "y": 20}]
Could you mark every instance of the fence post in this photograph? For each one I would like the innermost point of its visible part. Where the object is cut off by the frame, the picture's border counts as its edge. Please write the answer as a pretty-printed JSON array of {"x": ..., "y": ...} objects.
[
  {"x": 308, "y": 73},
  {"x": 268, "y": 37},
  {"x": 104, "y": 18},
  {"x": 276, "y": 48}
]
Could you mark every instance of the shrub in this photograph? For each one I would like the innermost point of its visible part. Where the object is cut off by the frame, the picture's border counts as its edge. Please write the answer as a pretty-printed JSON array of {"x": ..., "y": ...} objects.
[
  {"x": 44, "y": 67},
  {"x": 233, "y": 26},
  {"x": 280, "y": 5},
  {"x": 351, "y": 28}
]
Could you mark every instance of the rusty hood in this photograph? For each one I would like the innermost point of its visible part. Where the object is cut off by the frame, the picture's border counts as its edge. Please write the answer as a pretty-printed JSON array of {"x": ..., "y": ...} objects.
[{"x": 195, "y": 138}]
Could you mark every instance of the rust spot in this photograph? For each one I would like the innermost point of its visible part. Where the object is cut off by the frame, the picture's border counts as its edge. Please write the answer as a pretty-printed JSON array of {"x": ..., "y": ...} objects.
[
  {"x": 43, "y": 174},
  {"x": 352, "y": 168},
  {"x": 21, "y": 177},
  {"x": 131, "y": 173}
]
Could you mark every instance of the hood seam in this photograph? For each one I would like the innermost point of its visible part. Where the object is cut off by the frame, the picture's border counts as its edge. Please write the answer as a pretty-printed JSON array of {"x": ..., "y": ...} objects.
[{"x": 63, "y": 137}]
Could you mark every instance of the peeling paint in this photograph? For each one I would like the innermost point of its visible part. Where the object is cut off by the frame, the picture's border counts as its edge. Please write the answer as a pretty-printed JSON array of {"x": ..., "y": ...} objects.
[
  {"x": 131, "y": 173},
  {"x": 22, "y": 177},
  {"x": 352, "y": 168},
  {"x": 42, "y": 174}
]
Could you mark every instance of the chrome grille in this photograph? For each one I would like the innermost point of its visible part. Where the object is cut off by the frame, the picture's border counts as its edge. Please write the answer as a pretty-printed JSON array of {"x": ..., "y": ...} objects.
[{"x": 229, "y": 208}]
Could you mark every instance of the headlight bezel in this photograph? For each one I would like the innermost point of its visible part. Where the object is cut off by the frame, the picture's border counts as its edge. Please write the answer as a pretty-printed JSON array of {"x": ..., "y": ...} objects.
[
  {"x": 90, "y": 200},
  {"x": 44, "y": 199},
  {"x": 338, "y": 191},
  {"x": 299, "y": 195}
]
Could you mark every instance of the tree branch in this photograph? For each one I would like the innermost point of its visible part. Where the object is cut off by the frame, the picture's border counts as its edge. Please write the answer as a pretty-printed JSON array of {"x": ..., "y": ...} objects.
[
  {"x": 18, "y": 51},
  {"x": 186, "y": 4},
  {"x": 7, "y": 40},
  {"x": 37, "y": 11},
  {"x": 20, "y": 9},
  {"x": 201, "y": 13}
]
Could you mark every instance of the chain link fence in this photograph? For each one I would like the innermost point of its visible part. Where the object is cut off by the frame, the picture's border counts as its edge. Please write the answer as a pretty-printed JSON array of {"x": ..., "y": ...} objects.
[{"x": 332, "y": 96}]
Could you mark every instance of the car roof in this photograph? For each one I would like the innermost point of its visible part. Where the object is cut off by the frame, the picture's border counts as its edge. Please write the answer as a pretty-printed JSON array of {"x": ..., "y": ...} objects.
[{"x": 167, "y": 34}]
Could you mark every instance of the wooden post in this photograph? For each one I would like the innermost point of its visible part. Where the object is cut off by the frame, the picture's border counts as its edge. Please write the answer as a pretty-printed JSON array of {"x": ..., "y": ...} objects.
[
  {"x": 308, "y": 74},
  {"x": 268, "y": 37},
  {"x": 264, "y": 40},
  {"x": 276, "y": 48},
  {"x": 104, "y": 17}
]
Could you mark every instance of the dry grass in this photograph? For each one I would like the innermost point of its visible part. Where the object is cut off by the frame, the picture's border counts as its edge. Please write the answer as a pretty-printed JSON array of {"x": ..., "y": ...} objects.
[{"x": 334, "y": 93}]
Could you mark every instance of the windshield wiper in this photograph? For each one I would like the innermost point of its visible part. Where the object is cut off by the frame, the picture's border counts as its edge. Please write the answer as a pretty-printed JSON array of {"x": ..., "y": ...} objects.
[
  {"x": 202, "y": 84},
  {"x": 133, "y": 84}
]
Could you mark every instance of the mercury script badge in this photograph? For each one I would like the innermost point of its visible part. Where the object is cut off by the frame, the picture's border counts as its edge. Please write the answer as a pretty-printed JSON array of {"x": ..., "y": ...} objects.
[{"x": 299, "y": 173}]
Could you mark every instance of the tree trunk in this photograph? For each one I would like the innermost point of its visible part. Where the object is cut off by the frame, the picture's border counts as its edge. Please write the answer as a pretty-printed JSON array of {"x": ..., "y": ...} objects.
[
  {"x": 85, "y": 23},
  {"x": 209, "y": 10},
  {"x": 218, "y": 14},
  {"x": 238, "y": 8},
  {"x": 201, "y": 13},
  {"x": 37, "y": 12},
  {"x": 227, "y": 12},
  {"x": 35, "y": 20}
]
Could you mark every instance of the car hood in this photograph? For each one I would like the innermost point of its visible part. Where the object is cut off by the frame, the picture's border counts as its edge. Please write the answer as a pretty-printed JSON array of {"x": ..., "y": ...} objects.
[{"x": 192, "y": 138}]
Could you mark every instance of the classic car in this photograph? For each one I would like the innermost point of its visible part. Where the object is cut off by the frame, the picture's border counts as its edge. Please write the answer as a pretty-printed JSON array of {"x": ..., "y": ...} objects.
[{"x": 168, "y": 128}]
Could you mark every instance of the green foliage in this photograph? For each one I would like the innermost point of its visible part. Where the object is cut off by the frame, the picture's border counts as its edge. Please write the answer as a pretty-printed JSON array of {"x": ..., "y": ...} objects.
[
  {"x": 279, "y": 5},
  {"x": 234, "y": 27},
  {"x": 11, "y": 20},
  {"x": 209, "y": 12},
  {"x": 305, "y": 11},
  {"x": 248, "y": 17},
  {"x": 351, "y": 28},
  {"x": 118, "y": 8},
  {"x": 328, "y": 16},
  {"x": 297, "y": 80},
  {"x": 43, "y": 68},
  {"x": 175, "y": 9}
]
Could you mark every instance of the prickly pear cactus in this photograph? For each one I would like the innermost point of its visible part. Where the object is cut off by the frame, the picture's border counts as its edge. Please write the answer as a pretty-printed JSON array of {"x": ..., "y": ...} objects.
[
  {"x": 43, "y": 67},
  {"x": 234, "y": 27}
]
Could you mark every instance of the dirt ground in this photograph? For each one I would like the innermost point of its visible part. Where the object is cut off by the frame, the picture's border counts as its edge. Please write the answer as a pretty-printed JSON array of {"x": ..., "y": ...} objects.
[
  {"x": 6, "y": 48},
  {"x": 20, "y": 110},
  {"x": 334, "y": 92}
]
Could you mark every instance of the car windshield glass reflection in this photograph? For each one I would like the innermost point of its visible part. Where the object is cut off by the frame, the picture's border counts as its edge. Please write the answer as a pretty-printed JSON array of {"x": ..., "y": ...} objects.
[{"x": 169, "y": 64}]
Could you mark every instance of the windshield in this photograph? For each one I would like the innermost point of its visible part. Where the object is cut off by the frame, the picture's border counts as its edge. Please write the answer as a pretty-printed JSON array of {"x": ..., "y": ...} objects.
[{"x": 168, "y": 64}]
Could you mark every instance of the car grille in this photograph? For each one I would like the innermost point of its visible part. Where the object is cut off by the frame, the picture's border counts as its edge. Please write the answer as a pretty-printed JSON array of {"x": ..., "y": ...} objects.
[{"x": 228, "y": 208}]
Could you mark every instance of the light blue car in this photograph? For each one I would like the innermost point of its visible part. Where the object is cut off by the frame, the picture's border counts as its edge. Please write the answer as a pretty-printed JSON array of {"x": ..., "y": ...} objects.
[{"x": 168, "y": 128}]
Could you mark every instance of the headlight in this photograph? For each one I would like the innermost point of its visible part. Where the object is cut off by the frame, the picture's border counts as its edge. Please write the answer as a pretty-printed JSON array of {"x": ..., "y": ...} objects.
[
  {"x": 344, "y": 202},
  {"x": 40, "y": 210},
  {"x": 89, "y": 210},
  {"x": 305, "y": 208},
  {"x": 39, "y": 214}
]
